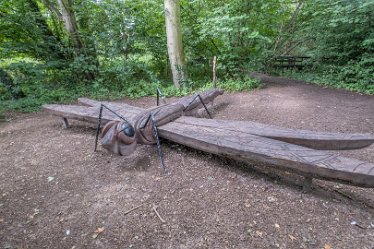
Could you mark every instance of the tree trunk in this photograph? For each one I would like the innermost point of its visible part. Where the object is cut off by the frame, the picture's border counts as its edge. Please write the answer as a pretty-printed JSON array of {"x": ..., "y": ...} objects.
[
  {"x": 70, "y": 22},
  {"x": 47, "y": 35},
  {"x": 174, "y": 41},
  {"x": 65, "y": 14}
]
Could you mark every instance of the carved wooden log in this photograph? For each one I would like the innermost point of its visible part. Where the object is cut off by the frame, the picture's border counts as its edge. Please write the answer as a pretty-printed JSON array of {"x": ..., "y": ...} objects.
[
  {"x": 139, "y": 118},
  {"x": 241, "y": 140},
  {"x": 316, "y": 140},
  {"x": 81, "y": 113},
  {"x": 311, "y": 139},
  {"x": 251, "y": 148}
]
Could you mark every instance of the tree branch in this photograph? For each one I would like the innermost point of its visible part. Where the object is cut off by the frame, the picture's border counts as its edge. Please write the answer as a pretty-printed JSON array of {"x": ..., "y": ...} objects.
[{"x": 53, "y": 8}]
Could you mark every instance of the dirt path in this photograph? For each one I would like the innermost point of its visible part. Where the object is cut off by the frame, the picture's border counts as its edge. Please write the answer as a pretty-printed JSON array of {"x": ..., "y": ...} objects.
[{"x": 55, "y": 192}]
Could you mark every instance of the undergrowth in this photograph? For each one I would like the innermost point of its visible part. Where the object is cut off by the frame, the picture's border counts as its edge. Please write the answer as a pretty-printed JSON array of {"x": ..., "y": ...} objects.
[
  {"x": 333, "y": 79},
  {"x": 42, "y": 94}
]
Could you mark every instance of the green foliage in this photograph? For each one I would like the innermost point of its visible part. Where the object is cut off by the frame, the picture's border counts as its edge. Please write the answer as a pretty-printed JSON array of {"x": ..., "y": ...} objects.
[
  {"x": 237, "y": 85},
  {"x": 42, "y": 94},
  {"x": 333, "y": 78},
  {"x": 339, "y": 36},
  {"x": 340, "y": 30},
  {"x": 124, "y": 50},
  {"x": 240, "y": 33}
]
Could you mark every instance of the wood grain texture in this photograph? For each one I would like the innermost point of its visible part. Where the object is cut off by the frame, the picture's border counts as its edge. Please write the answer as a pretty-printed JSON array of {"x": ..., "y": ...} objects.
[
  {"x": 251, "y": 148},
  {"x": 81, "y": 113},
  {"x": 167, "y": 113},
  {"x": 311, "y": 139}
]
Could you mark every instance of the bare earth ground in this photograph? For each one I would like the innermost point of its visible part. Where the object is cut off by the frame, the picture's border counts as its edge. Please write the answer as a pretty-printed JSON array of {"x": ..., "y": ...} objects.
[{"x": 56, "y": 193}]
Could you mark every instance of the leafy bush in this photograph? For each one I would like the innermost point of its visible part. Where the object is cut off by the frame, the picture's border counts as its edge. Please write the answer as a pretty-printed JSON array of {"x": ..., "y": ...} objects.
[
  {"x": 117, "y": 73},
  {"x": 339, "y": 36},
  {"x": 335, "y": 77},
  {"x": 236, "y": 85}
]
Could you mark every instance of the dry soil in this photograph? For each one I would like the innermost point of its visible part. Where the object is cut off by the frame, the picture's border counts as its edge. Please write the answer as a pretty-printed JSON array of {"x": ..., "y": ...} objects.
[{"x": 55, "y": 192}]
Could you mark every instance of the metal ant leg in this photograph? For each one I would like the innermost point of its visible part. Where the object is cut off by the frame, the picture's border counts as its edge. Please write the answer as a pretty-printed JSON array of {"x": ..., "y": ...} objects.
[
  {"x": 206, "y": 109},
  {"x": 202, "y": 102},
  {"x": 65, "y": 123},
  {"x": 98, "y": 126},
  {"x": 159, "y": 94},
  {"x": 155, "y": 133}
]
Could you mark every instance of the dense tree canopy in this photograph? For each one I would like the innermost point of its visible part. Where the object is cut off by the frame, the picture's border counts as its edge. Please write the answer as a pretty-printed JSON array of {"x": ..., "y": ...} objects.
[{"x": 53, "y": 49}]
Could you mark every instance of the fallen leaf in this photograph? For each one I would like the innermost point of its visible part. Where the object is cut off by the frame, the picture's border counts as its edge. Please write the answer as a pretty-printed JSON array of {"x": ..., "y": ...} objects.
[
  {"x": 98, "y": 231},
  {"x": 272, "y": 199},
  {"x": 292, "y": 237},
  {"x": 36, "y": 212},
  {"x": 327, "y": 246}
]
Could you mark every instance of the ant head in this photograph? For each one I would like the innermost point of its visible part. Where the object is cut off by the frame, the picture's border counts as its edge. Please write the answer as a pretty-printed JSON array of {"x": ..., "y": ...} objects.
[
  {"x": 126, "y": 138},
  {"x": 119, "y": 137}
]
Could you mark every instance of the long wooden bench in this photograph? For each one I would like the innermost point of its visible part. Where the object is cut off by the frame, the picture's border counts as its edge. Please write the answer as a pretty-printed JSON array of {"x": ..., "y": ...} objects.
[{"x": 290, "y": 62}]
